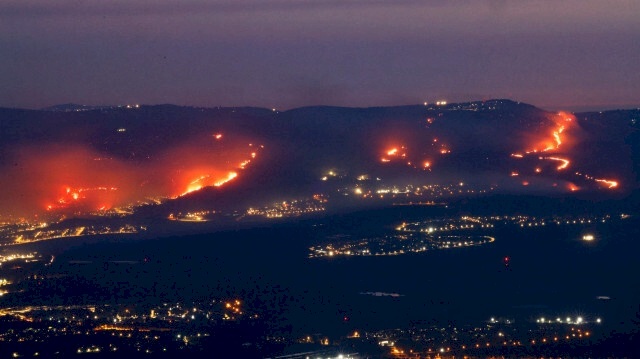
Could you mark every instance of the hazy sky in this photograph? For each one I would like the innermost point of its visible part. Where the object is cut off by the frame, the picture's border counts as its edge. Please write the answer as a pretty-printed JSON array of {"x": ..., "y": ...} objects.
[{"x": 289, "y": 53}]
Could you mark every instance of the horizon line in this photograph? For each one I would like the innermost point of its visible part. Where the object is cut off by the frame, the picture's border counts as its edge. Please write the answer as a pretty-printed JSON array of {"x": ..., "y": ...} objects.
[{"x": 550, "y": 108}]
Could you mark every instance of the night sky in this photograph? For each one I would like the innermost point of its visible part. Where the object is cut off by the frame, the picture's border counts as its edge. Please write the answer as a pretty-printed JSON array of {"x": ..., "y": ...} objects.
[{"x": 573, "y": 54}]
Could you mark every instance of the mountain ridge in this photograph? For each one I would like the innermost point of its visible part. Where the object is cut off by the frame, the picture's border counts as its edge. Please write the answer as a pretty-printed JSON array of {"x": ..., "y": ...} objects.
[{"x": 286, "y": 154}]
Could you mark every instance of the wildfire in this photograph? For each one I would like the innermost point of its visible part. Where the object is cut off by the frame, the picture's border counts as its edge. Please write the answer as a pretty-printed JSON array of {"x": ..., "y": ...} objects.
[
  {"x": 394, "y": 152},
  {"x": 73, "y": 179},
  {"x": 563, "y": 165},
  {"x": 554, "y": 142},
  {"x": 609, "y": 183},
  {"x": 421, "y": 159},
  {"x": 209, "y": 175},
  {"x": 196, "y": 184},
  {"x": 556, "y": 136},
  {"x": 230, "y": 177},
  {"x": 77, "y": 195},
  {"x": 208, "y": 180},
  {"x": 562, "y": 122}
]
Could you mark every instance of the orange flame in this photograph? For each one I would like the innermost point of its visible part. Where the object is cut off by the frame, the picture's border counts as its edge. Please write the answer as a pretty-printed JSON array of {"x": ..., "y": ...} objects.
[
  {"x": 564, "y": 162},
  {"x": 611, "y": 184},
  {"x": 70, "y": 179},
  {"x": 546, "y": 144},
  {"x": 230, "y": 177},
  {"x": 73, "y": 196}
]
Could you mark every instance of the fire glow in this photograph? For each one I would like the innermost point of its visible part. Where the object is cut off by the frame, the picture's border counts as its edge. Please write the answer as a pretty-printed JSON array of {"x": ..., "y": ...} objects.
[
  {"x": 551, "y": 142},
  {"x": 394, "y": 153},
  {"x": 546, "y": 144},
  {"x": 206, "y": 181},
  {"x": 609, "y": 183},
  {"x": 64, "y": 179},
  {"x": 416, "y": 159},
  {"x": 75, "y": 195},
  {"x": 564, "y": 163},
  {"x": 211, "y": 176}
]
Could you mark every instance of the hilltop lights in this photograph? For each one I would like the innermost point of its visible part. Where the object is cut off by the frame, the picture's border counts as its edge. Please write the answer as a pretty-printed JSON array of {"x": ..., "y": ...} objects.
[{"x": 579, "y": 320}]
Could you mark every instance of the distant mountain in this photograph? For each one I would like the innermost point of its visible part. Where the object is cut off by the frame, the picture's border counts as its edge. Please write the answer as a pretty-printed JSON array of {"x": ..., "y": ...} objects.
[
  {"x": 72, "y": 107},
  {"x": 510, "y": 146}
]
